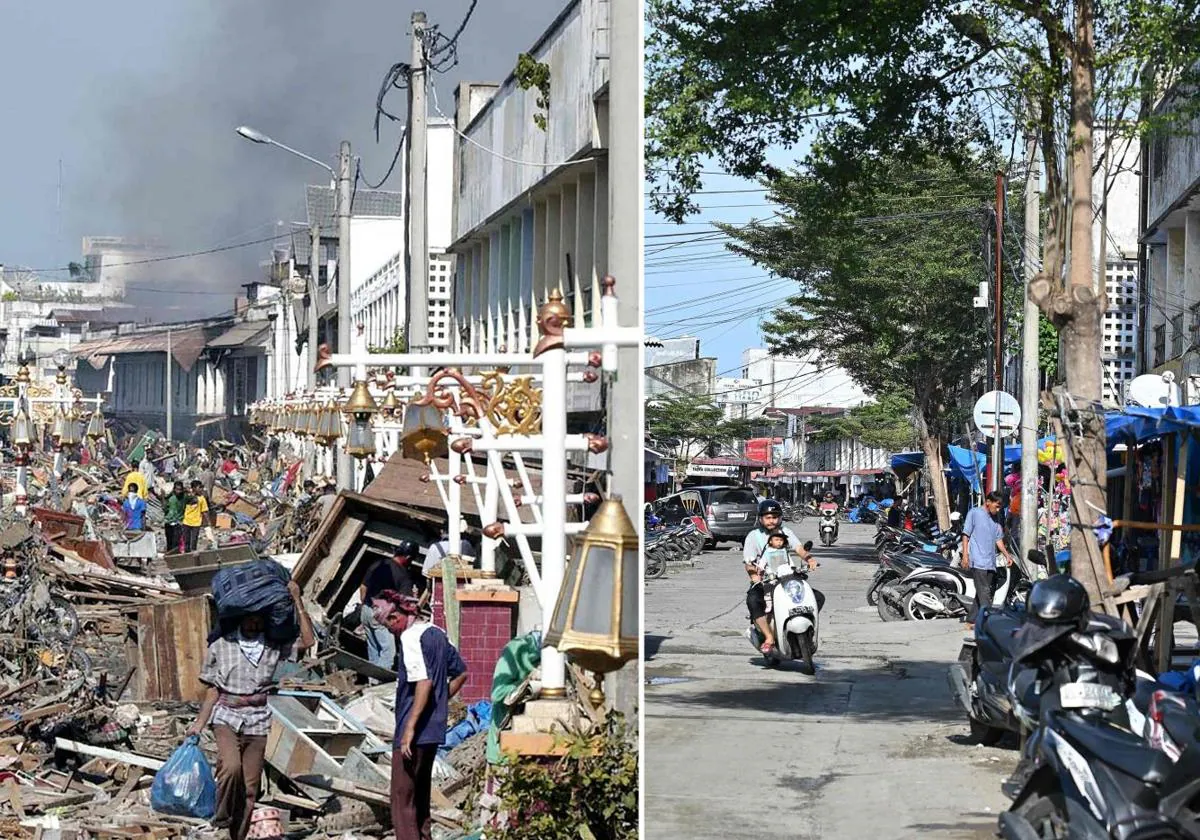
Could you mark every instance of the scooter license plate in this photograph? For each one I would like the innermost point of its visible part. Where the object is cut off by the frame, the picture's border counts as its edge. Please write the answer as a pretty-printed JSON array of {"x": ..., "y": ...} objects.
[{"x": 1088, "y": 696}]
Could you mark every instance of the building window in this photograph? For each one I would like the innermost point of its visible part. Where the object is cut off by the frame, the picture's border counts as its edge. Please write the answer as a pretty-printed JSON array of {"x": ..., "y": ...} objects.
[{"x": 1160, "y": 344}]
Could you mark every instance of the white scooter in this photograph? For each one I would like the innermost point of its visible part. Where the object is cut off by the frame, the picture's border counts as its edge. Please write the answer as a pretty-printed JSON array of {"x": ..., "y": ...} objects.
[
  {"x": 792, "y": 608},
  {"x": 828, "y": 526}
]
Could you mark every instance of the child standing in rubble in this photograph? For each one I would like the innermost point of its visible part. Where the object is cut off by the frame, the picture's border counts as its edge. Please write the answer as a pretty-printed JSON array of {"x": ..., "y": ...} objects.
[{"x": 240, "y": 674}]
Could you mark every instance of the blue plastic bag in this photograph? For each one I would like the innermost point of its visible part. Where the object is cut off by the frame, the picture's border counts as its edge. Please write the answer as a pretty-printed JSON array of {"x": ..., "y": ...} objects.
[{"x": 185, "y": 786}]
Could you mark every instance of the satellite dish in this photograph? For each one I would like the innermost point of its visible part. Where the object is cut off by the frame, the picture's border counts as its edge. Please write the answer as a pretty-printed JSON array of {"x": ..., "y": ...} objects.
[{"x": 1152, "y": 390}]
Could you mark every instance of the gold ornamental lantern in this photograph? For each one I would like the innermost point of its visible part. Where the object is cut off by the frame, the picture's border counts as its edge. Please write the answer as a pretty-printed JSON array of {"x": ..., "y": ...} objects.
[
  {"x": 70, "y": 430},
  {"x": 359, "y": 410},
  {"x": 60, "y": 424},
  {"x": 424, "y": 436},
  {"x": 329, "y": 425},
  {"x": 595, "y": 620},
  {"x": 95, "y": 428},
  {"x": 21, "y": 430}
]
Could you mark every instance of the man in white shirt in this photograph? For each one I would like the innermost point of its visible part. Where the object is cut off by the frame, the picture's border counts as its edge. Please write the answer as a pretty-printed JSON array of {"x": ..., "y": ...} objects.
[{"x": 440, "y": 550}]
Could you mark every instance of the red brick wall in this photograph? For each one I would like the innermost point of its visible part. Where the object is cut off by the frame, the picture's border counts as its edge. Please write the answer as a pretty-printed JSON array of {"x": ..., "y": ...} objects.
[{"x": 485, "y": 627}]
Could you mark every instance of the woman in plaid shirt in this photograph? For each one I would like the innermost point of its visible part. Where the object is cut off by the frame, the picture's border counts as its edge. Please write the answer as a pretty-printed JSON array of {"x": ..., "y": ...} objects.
[{"x": 240, "y": 675}]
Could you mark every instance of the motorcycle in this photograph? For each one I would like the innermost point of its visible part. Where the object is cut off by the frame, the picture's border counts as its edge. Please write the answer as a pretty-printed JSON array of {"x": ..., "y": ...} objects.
[
  {"x": 947, "y": 592},
  {"x": 793, "y": 611},
  {"x": 896, "y": 565},
  {"x": 828, "y": 526}
]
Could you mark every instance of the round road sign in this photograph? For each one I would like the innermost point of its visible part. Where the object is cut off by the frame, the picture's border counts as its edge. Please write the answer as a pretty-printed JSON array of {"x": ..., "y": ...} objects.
[{"x": 998, "y": 410}]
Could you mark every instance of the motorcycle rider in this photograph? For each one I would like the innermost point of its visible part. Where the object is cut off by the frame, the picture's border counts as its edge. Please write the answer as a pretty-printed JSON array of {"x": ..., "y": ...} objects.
[{"x": 770, "y": 517}]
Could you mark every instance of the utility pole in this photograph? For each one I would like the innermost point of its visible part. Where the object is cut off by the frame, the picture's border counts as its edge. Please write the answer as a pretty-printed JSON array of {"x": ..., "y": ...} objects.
[
  {"x": 626, "y": 417},
  {"x": 345, "y": 464},
  {"x": 1029, "y": 355},
  {"x": 314, "y": 275},
  {"x": 170, "y": 393},
  {"x": 416, "y": 327},
  {"x": 998, "y": 302}
]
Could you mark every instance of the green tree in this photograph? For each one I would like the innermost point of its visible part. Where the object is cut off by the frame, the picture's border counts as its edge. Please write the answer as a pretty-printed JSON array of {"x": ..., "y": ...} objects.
[
  {"x": 398, "y": 343},
  {"x": 885, "y": 296},
  {"x": 886, "y": 423},
  {"x": 689, "y": 423},
  {"x": 729, "y": 80}
]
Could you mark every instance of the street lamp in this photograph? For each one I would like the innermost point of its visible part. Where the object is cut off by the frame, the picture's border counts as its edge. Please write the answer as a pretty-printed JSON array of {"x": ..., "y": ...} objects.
[
  {"x": 255, "y": 136},
  {"x": 341, "y": 210},
  {"x": 595, "y": 619}
]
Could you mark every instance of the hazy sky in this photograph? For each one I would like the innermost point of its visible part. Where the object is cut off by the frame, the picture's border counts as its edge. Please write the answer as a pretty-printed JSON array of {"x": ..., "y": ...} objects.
[{"x": 139, "y": 99}]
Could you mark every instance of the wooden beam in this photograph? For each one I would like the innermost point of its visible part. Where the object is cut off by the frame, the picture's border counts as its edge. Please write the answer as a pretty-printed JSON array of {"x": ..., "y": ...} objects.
[{"x": 135, "y": 759}]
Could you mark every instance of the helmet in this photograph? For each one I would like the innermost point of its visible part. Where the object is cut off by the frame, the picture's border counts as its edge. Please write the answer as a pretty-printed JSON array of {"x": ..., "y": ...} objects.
[
  {"x": 769, "y": 506},
  {"x": 1058, "y": 600},
  {"x": 778, "y": 532},
  {"x": 829, "y": 497},
  {"x": 406, "y": 548}
]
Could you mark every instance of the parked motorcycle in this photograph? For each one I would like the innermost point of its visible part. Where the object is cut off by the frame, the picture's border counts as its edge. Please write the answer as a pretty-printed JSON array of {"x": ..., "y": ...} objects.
[
  {"x": 947, "y": 592},
  {"x": 896, "y": 565},
  {"x": 792, "y": 609}
]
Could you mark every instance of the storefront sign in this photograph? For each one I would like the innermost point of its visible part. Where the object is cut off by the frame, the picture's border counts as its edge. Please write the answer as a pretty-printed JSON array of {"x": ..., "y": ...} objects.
[{"x": 712, "y": 471}]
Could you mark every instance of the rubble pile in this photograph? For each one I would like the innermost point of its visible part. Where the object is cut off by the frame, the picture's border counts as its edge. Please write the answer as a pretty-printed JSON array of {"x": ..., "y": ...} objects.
[{"x": 103, "y": 634}]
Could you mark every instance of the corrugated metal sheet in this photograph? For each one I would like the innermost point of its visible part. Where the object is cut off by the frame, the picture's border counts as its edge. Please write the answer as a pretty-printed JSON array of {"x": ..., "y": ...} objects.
[
  {"x": 186, "y": 346},
  {"x": 239, "y": 335}
]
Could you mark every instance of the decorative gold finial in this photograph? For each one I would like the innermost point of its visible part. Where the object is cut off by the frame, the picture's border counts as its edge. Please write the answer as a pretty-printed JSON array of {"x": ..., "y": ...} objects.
[{"x": 553, "y": 318}]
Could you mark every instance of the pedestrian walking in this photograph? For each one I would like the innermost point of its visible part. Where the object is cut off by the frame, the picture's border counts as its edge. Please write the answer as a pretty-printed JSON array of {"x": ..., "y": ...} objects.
[
  {"x": 173, "y": 514},
  {"x": 983, "y": 542},
  {"x": 431, "y": 673},
  {"x": 195, "y": 516},
  {"x": 240, "y": 674}
]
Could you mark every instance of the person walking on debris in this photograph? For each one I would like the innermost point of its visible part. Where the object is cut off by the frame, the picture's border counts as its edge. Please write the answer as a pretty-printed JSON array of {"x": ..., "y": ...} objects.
[
  {"x": 134, "y": 508},
  {"x": 240, "y": 674},
  {"x": 174, "y": 510},
  {"x": 395, "y": 575},
  {"x": 431, "y": 673},
  {"x": 983, "y": 539},
  {"x": 195, "y": 516}
]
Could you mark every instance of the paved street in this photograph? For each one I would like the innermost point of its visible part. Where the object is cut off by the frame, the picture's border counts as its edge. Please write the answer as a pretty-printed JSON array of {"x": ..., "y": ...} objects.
[{"x": 871, "y": 746}]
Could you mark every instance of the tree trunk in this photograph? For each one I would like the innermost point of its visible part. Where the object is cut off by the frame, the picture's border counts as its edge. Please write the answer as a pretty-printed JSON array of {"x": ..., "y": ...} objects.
[
  {"x": 1077, "y": 311},
  {"x": 932, "y": 445}
]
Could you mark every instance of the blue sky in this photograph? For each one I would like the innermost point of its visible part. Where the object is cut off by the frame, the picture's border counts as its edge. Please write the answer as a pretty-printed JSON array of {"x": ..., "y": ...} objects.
[{"x": 695, "y": 286}]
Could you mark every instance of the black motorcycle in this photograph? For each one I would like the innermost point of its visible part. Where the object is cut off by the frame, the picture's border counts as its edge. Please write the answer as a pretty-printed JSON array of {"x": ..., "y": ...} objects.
[{"x": 1083, "y": 773}]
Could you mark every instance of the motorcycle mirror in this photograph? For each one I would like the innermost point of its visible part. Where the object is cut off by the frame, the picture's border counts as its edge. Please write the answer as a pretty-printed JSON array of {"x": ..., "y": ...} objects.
[
  {"x": 808, "y": 545},
  {"x": 1037, "y": 558}
]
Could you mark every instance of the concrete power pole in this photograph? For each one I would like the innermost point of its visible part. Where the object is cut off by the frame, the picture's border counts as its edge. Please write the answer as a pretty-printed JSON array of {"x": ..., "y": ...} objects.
[
  {"x": 170, "y": 394},
  {"x": 625, "y": 158},
  {"x": 314, "y": 279},
  {"x": 345, "y": 464},
  {"x": 416, "y": 326},
  {"x": 1029, "y": 356}
]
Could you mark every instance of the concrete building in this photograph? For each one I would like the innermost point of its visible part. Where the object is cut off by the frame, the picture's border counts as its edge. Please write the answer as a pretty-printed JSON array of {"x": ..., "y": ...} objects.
[
  {"x": 113, "y": 264},
  {"x": 1171, "y": 234},
  {"x": 737, "y": 397},
  {"x": 1119, "y": 351},
  {"x": 531, "y": 204},
  {"x": 378, "y": 298},
  {"x": 662, "y": 351},
  {"x": 789, "y": 382},
  {"x": 219, "y": 367}
]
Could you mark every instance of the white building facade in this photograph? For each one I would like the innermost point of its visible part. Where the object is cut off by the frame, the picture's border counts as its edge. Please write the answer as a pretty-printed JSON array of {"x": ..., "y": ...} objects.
[
  {"x": 1171, "y": 200},
  {"x": 531, "y": 204},
  {"x": 378, "y": 296},
  {"x": 1118, "y": 236},
  {"x": 738, "y": 398},
  {"x": 790, "y": 382}
]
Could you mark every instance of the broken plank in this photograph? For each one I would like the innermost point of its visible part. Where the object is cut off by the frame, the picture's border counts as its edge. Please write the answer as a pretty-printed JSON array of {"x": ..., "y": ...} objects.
[
  {"x": 372, "y": 796},
  {"x": 135, "y": 759}
]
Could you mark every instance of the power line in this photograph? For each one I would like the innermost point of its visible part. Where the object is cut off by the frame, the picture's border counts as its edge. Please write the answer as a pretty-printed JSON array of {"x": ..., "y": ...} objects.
[{"x": 184, "y": 256}]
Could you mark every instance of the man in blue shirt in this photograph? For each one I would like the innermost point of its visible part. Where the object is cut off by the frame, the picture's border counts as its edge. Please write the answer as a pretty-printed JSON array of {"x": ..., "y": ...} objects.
[
  {"x": 134, "y": 508},
  {"x": 983, "y": 539},
  {"x": 430, "y": 673}
]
